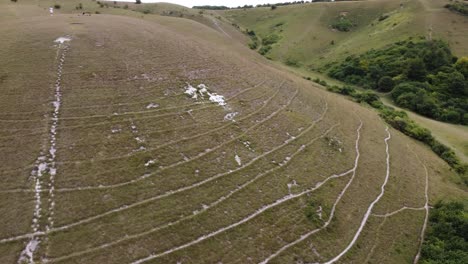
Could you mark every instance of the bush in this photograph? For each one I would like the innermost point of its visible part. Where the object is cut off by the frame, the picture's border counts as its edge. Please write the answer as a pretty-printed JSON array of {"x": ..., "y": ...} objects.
[
  {"x": 447, "y": 238},
  {"x": 57, "y": 6},
  {"x": 270, "y": 39},
  {"x": 264, "y": 49},
  {"x": 292, "y": 62},
  {"x": 386, "y": 84},
  {"x": 14, "y": 1},
  {"x": 79, "y": 6},
  {"x": 273, "y": 7},
  {"x": 342, "y": 24},
  {"x": 253, "y": 45},
  {"x": 138, "y": 2}
]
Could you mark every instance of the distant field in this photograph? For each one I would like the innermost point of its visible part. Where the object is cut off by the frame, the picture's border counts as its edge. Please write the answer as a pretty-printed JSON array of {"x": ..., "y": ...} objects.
[{"x": 107, "y": 155}]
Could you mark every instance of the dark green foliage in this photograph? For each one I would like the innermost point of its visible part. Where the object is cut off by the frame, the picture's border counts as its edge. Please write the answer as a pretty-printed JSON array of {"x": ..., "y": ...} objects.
[
  {"x": 208, "y": 7},
  {"x": 264, "y": 49},
  {"x": 383, "y": 17},
  {"x": 270, "y": 39},
  {"x": 386, "y": 84},
  {"x": 273, "y": 7},
  {"x": 253, "y": 45},
  {"x": 416, "y": 70},
  {"x": 423, "y": 74},
  {"x": 342, "y": 23},
  {"x": 459, "y": 7},
  {"x": 447, "y": 235},
  {"x": 57, "y": 6},
  {"x": 292, "y": 62},
  {"x": 14, "y": 1},
  {"x": 138, "y": 2}
]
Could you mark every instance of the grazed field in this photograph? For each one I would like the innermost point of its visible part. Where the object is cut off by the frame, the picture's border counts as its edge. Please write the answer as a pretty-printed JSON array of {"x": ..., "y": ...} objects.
[{"x": 107, "y": 158}]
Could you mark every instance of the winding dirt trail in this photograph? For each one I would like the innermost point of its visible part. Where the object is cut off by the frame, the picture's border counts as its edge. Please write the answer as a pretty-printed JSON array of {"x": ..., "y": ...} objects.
[
  {"x": 332, "y": 212},
  {"x": 258, "y": 212},
  {"x": 369, "y": 209},
  {"x": 206, "y": 208}
]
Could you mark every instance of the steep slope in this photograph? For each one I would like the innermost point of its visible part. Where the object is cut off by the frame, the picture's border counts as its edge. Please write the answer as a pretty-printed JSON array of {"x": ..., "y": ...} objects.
[{"x": 109, "y": 157}]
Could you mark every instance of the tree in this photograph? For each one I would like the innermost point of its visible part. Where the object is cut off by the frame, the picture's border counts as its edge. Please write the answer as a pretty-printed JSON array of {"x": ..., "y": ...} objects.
[
  {"x": 416, "y": 70},
  {"x": 462, "y": 66},
  {"x": 273, "y": 7},
  {"x": 138, "y": 2},
  {"x": 386, "y": 84}
]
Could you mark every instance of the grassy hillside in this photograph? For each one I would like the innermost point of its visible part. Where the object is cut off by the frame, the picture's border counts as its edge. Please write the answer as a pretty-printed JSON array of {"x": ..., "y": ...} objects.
[
  {"x": 109, "y": 157},
  {"x": 307, "y": 34}
]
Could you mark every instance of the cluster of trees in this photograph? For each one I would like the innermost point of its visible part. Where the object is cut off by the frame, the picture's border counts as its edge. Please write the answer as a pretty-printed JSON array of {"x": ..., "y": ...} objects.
[
  {"x": 210, "y": 7},
  {"x": 459, "y": 7},
  {"x": 422, "y": 76},
  {"x": 400, "y": 121},
  {"x": 447, "y": 235}
]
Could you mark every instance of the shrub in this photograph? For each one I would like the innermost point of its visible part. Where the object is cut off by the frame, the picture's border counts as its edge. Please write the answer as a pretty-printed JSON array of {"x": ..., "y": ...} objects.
[
  {"x": 125, "y": 7},
  {"x": 14, "y": 1},
  {"x": 446, "y": 238},
  {"x": 386, "y": 84},
  {"x": 57, "y": 6},
  {"x": 342, "y": 24},
  {"x": 273, "y": 7},
  {"x": 270, "y": 39},
  {"x": 292, "y": 62},
  {"x": 253, "y": 45},
  {"x": 79, "y": 6},
  {"x": 264, "y": 49},
  {"x": 138, "y": 2}
]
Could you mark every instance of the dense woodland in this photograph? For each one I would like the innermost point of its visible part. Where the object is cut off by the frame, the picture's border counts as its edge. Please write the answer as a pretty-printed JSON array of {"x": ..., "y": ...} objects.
[{"x": 422, "y": 76}]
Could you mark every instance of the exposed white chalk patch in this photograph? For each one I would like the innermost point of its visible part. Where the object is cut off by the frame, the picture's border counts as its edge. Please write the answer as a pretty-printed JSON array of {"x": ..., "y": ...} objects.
[
  {"x": 149, "y": 163},
  {"x": 230, "y": 116},
  {"x": 152, "y": 105},
  {"x": 62, "y": 40},
  {"x": 319, "y": 212},
  {"x": 27, "y": 255},
  {"x": 44, "y": 165},
  {"x": 115, "y": 130},
  {"x": 191, "y": 91},
  {"x": 216, "y": 98},
  {"x": 238, "y": 160}
]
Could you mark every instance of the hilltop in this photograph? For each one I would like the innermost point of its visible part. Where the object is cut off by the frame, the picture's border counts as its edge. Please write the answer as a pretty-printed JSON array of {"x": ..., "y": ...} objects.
[{"x": 149, "y": 138}]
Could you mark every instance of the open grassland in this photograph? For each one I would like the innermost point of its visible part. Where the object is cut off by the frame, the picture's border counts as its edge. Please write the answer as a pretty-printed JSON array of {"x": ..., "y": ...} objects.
[{"x": 105, "y": 158}]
